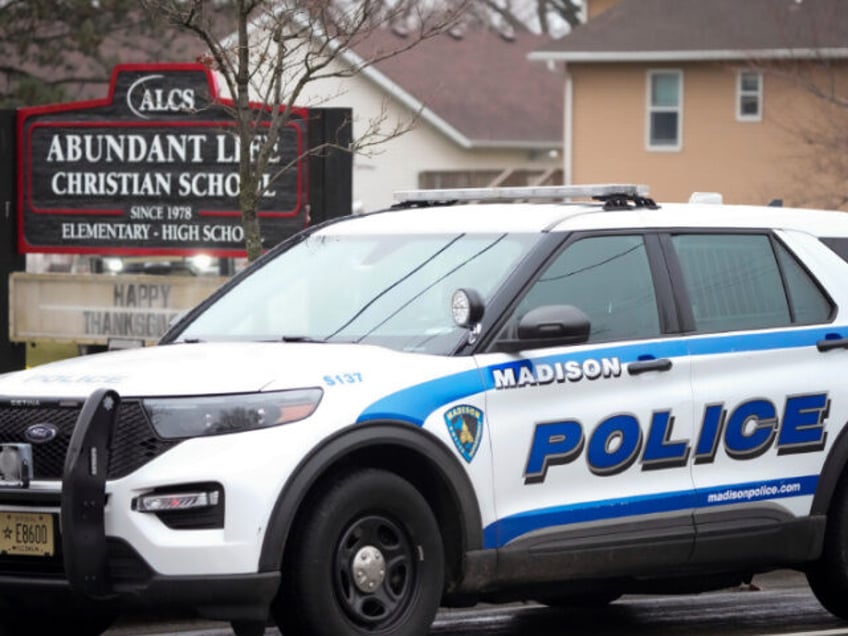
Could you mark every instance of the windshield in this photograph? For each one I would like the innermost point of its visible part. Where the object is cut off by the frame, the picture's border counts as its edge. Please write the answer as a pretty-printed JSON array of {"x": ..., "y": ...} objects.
[{"x": 389, "y": 290}]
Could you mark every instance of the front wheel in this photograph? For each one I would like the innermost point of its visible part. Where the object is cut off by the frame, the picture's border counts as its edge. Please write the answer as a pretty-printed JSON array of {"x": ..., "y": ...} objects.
[{"x": 368, "y": 559}]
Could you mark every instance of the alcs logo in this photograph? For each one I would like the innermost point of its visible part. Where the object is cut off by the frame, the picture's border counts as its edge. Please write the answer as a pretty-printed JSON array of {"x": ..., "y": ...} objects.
[{"x": 147, "y": 96}]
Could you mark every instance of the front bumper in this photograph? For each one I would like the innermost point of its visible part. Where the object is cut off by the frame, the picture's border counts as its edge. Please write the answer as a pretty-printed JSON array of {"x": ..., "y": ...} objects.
[{"x": 90, "y": 564}]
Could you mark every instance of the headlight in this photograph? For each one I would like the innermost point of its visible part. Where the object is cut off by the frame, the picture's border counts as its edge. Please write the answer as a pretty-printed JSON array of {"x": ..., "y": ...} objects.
[{"x": 177, "y": 418}]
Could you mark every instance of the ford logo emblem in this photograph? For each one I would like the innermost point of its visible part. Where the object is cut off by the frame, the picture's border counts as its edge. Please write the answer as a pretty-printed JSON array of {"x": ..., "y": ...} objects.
[{"x": 41, "y": 433}]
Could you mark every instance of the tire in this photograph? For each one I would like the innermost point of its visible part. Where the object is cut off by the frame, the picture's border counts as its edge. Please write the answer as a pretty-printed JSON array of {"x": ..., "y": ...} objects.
[
  {"x": 828, "y": 577},
  {"x": 333, "y": 582}
]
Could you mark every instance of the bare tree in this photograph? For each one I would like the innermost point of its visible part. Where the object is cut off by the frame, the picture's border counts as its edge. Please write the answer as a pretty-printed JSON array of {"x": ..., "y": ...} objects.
[
  {"x": 816, "y": 123},
  {"x": 267, "y": 50},
  {"x": 553, "y": 17},
  {"x": 54, "y": 50},
  {"x": 276, "y": 48},
  {"x": 806, "y": 77},
  {"x": 51, "y": 50}
]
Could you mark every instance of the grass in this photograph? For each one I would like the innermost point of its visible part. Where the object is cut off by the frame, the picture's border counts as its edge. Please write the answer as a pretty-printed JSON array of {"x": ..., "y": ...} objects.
[{"x": 41, "y": 352}]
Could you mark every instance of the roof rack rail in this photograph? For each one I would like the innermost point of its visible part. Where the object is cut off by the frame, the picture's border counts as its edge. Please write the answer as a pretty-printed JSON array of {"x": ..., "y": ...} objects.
[{"x": 603, "y": 192}]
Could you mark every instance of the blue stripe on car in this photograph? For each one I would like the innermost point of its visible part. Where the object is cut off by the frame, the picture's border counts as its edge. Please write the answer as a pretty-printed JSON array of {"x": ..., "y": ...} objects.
[
  {"x": 504, "y": 530},
  {"x": 414, "y": 404}
]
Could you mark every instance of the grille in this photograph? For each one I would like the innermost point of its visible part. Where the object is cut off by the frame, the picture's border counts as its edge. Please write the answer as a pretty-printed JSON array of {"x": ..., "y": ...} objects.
[
  {"x": 125, "y": 564},
  {"x": 134, "y": 442}
]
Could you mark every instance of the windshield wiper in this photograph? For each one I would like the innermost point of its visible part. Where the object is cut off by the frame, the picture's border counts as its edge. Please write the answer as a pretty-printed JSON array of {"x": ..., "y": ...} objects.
[
  {"x": 301, "y": 339},
  {"x": 293, "y": 338}
]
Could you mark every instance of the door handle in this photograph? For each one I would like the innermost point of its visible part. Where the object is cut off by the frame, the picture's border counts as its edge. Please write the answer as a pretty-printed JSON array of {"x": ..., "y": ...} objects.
[
  {"x": 832, "y": 343},
  {"x": 645, "y": 366}
]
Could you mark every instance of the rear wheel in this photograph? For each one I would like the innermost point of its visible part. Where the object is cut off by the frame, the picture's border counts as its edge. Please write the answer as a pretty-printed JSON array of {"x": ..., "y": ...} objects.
[
  {"x": 828, "y": 577},
  {"x": 368, "y": 559}
]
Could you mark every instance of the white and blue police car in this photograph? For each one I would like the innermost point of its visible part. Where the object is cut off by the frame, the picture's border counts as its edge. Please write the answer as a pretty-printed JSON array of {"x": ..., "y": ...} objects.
[{"x": 558, "y": 394}]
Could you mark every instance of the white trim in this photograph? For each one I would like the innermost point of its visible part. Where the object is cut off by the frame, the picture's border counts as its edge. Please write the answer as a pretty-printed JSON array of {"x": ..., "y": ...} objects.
[
  {"x": 649, "y": 109},
  {"x": 688, "y": 56},
  {"x": 568, "y": 130},
  {"x": 519, "y": 144},
  {"x": 740, "y": 116}
]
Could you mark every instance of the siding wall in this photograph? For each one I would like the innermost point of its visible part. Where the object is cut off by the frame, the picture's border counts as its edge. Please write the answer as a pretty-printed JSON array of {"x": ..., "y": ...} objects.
[{"x": 749, "y": 162}]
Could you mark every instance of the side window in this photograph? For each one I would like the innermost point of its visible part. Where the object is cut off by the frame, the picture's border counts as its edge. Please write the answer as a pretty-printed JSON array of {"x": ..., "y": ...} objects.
[
  {"x": 749, "y": 96},
  {"x": 608, "y": 277},
  {"x": 808, "y": 303},
  {"x": 736, "y": 281}
]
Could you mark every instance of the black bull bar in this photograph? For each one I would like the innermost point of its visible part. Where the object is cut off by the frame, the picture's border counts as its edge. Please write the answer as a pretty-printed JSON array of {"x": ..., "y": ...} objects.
[
  {"x": 84, "y": 496},
  {"x": 83, "y": 531}
]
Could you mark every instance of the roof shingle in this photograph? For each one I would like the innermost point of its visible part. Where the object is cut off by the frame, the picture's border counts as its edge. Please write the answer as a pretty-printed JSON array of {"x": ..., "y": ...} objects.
[
  {"x": 481, "y": 84},
  {"x": 707, "y": 29}
]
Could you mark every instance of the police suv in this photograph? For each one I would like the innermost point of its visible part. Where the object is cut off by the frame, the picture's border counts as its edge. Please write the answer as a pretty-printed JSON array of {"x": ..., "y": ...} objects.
[{"x": 557, "y": 394}]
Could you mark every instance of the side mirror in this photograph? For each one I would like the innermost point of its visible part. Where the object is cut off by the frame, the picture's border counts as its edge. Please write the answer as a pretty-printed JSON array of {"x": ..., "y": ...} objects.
[{"x": 548, "y": 326}]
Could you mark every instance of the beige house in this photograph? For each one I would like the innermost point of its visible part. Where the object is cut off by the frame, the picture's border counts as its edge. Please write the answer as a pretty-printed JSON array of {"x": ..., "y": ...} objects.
[{"x": 740, "y": 97}]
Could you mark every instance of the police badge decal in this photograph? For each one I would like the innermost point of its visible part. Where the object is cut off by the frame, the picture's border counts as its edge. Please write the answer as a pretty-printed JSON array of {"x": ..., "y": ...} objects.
[{"x": 465, "y": 424}]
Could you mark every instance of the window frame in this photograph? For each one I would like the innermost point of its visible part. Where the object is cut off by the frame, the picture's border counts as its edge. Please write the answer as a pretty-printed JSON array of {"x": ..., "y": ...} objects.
[
  {"x": 741, "y": 92},
  {"x": 650, "y": 110}
]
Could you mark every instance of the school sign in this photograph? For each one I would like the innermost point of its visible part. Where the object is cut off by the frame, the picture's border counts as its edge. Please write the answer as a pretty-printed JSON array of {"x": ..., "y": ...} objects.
[{"x": 154, "y": 169}]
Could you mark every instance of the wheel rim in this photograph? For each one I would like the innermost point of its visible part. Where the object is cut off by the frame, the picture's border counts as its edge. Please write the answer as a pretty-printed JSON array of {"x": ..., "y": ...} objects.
[{"x": 374, "y": 571}]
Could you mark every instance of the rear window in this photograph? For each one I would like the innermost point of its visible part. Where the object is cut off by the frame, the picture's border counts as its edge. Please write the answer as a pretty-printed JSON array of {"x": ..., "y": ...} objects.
[{"x": 746, "y": 281}]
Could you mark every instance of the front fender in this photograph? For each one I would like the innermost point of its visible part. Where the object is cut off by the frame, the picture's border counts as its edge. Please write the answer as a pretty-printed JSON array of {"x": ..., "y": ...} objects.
[{"x": 358, "y": 438}]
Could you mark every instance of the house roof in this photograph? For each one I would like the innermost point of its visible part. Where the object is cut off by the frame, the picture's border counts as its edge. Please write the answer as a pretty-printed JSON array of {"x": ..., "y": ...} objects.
[
  {"x": 681, "y": 30},
  {"x": 478, "y": 89}
]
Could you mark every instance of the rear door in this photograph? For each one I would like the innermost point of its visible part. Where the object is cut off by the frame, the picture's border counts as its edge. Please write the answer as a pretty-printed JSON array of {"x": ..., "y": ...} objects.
[{"x": 761, "y": 386}]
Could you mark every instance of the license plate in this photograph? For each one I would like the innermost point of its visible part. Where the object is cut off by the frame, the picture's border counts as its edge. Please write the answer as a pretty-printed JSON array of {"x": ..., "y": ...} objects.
[{"x": 26, "y": 533}]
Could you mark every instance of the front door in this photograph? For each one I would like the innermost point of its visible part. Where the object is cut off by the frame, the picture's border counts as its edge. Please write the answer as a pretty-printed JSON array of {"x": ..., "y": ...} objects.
[{"x": 591, "y": 443}]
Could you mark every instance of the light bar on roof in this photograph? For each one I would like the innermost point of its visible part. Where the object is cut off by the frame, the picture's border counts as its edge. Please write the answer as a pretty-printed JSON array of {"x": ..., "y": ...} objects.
[{"x": 524, "y": 193}]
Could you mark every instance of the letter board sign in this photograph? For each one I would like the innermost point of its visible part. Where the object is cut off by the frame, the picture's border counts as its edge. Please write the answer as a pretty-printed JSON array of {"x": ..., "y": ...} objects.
[{"x": 153, "y": 168}]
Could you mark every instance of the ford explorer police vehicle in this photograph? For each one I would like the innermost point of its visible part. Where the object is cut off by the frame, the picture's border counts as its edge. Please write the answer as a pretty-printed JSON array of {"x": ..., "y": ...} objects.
[{"x": 556, "y": 394}]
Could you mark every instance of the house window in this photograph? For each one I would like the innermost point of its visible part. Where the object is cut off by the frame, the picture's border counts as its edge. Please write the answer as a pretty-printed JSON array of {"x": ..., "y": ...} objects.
[
  {"x": 749, "y": 96},
  {"x": 665, "y": 110}
]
